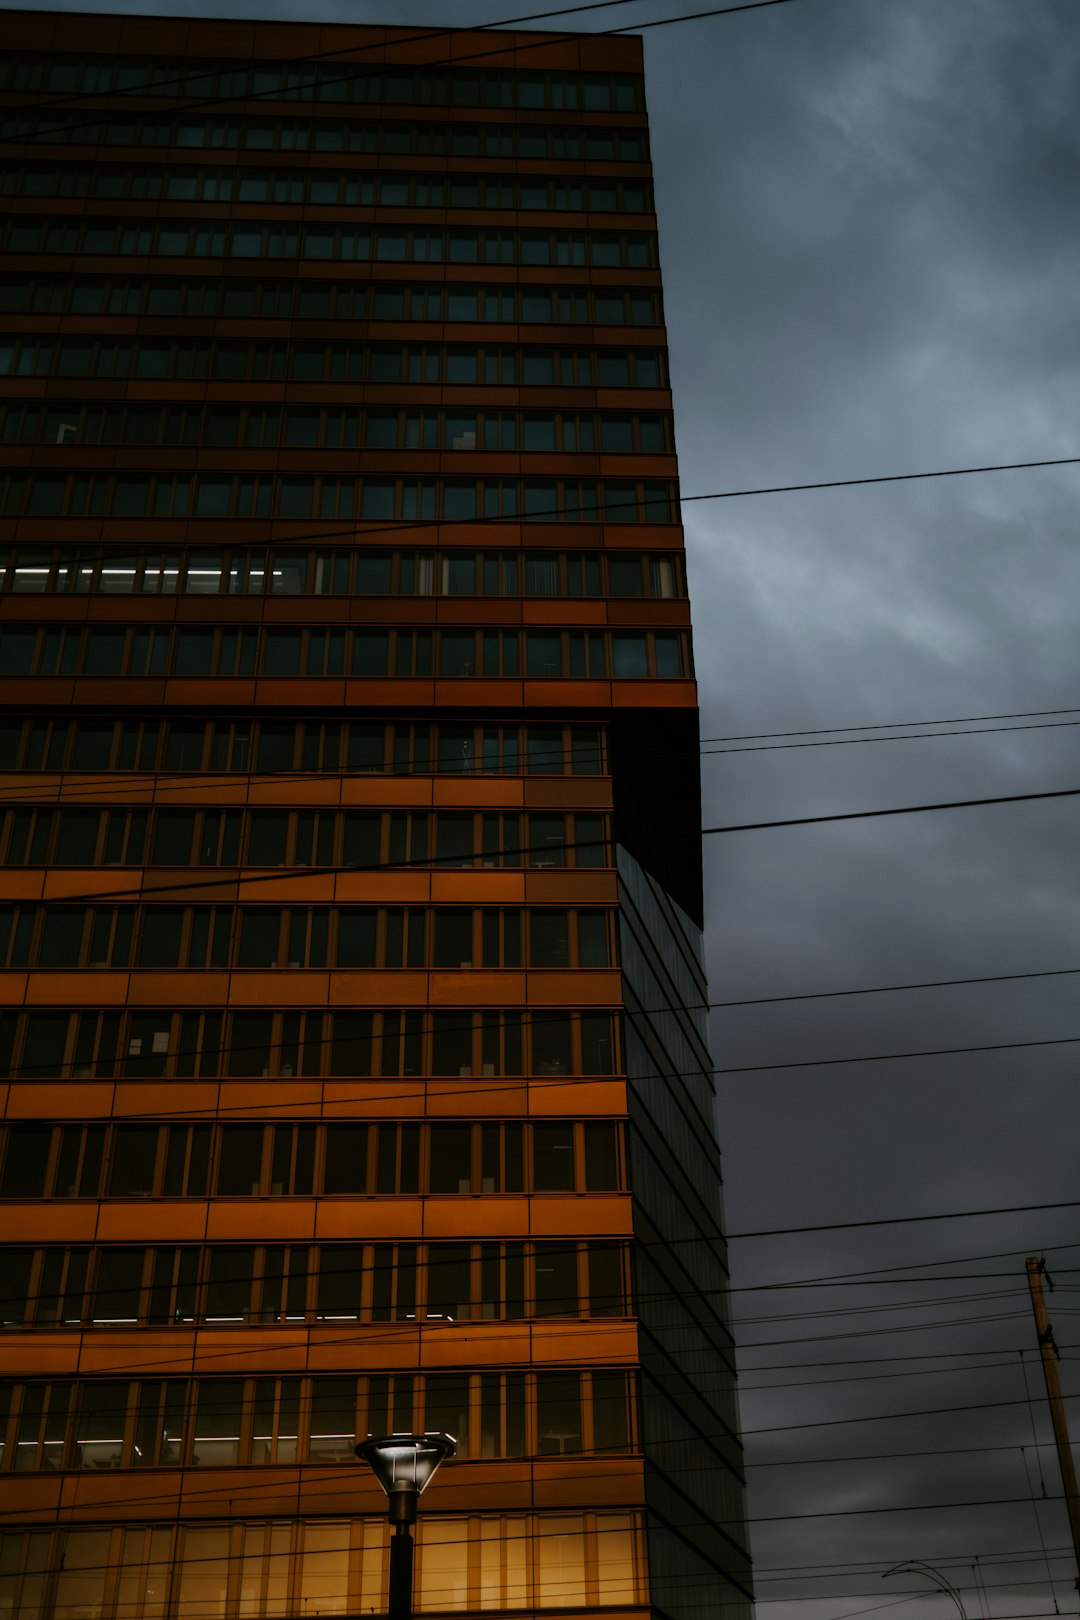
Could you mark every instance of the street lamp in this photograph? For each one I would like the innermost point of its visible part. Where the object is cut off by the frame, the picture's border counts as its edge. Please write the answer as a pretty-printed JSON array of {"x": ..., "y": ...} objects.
[
  {"x": 404, "y": 1464},
  {"x": 916, "y": 1566}
]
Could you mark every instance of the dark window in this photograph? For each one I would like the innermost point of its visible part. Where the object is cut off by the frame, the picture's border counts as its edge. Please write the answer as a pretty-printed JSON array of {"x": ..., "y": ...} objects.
[
  {"x": 357, "y": 938},
  {"x": 119, "y": 1277},
  {"x": 160, "y": 937},
  {"x": 240, "y": 1160},
  {"x": 339, "y": 1282},
  {"x": 77, "y": 843},
  {"x": 229, "y": 1285},
  {"x": 549, "y": 939},
  {"x": 346, "y": 1159},
  {"x": 450, "y": 1162},
  {"x": 174, "y": 833},
  {"x": 134, "y": 1154},
  {"x": 610, "y": 1412},
  {"x": 605, "y": 1279},
  {"x": 267, "y": 838},
  {"x": 556, "y": 1280},
  {"x": 451, "y": 1044},
  {"x": 361, "y": 838},
  {"x": 26, "y": 1161},
  {"x": 558, "y": 1413},
  {"x": 449, "y": 1293},
  {"x": 259, "y": 934},
  {"x": 601, "y": 1156},
  {"x": 553, "y": 1157},
  {"x": 61, "y": 937},
  {"x": 453, "y": 939}
]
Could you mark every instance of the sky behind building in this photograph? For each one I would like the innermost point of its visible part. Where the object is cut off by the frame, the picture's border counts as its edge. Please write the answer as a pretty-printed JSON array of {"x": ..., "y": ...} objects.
[{"x": 869, "y": 239}]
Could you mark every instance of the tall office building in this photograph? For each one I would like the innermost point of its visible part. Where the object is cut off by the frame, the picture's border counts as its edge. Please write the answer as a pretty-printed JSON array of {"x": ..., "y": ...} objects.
[{"x": 352, "y": 1025}]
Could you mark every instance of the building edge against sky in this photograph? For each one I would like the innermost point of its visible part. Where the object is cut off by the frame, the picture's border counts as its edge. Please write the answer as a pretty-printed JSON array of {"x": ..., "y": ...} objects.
[{"x": 353, "y": 1007}]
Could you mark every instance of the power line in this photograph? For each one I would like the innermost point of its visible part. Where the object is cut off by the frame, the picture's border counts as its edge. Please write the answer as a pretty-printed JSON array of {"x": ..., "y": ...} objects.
[
  {"x": 904, "y": 1220},
  {"x": 875, "y": 1308},
  {"x": 872, "y": 1378},
  {"x": 885, "y": 989},
  {"x": 896, "y": 1057},
  {"x": 851, "y": 742},
  {"x": 881, "y": 478},
  {"x": 882, "y": 1456},
  {"x": 856, "y": 1566},
  {"x": 889, "y": 725},
  {"x": 887, "y": 1417},
  {"x": 894, "y": 810}
]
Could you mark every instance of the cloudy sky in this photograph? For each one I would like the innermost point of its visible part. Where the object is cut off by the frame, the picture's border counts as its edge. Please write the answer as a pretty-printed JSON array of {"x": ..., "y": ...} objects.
[{"x": 871, "y": 240}]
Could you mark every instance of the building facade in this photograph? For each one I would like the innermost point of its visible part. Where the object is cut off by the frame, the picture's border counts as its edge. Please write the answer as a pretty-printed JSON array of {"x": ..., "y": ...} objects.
[{"x": 351, "y": 1001}]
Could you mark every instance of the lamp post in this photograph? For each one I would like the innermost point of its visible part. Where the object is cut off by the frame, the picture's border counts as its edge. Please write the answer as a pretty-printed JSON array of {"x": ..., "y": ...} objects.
[
  {"x": 404, "y": 1464},
  {"x": 916, "y": 1566}
]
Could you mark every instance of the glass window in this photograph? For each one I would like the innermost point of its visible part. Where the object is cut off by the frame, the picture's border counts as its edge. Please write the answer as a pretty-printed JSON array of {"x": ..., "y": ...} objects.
[
  {"x": 267, "y": 838},
  {"x": 119, "y": 1275},
  {"x": 668, "y": 656},
  {"x": 229, "y": 1284},
  {"x": 204, "y": 1572},
  {"x": 551, "y": 1043},
  {"x": 259, "y": 932},
  {"x": 161, "y": 936},
  {"x": 26, "y": 1161},
  {"x": 451, "y": 1044},
  {"x": 218, "y": 1418},
  {"x": 556, "y": 1279},
  {"x": 133, "y": 1160},
  {"x": 553, "y": 1157},
  {"x": 240, "y": 1151},
  {"x": 549, "y": 939},
  {"x": 80, "y": 1586},
  {"x": 592, "y": 942},
  {"x": 333, "y": 1419},
  {"x": 558, "y": 1413},
  {"x": 460, "y": 367},
  {"x": 602, "y": 1156},
  {"x": 377, "y": 501},
  {"x": 453, "y": 938},
  {"x": 340, "y": 1271},
  {"x": 543, "y": 654},
  {"x": 350, "y": 1053},
  {"x": 450, "y": 1168},
  {"x": 194, "y": 652},
  {"x": 99, "y": 1438},
  {"x": 61, "y": 936},
  {"x": 629, "y": 656},
  {"x": 346, "y": 1158},
  {"x": 357, "y": 934},
  {"x": 370, "y": 652},
  {"x": 457, "y": 653}
]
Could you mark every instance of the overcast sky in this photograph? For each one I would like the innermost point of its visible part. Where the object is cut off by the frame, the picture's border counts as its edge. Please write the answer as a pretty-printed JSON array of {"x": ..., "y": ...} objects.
[{"x": 871, "y": 241}]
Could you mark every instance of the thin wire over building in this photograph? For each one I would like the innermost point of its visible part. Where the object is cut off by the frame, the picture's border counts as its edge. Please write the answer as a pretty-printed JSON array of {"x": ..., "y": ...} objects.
[{"x": 350, "y": 972}]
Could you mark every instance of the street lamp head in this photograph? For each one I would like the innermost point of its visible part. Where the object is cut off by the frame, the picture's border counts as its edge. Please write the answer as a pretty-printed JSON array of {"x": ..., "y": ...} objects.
[{"x": 404, "y": 1464}]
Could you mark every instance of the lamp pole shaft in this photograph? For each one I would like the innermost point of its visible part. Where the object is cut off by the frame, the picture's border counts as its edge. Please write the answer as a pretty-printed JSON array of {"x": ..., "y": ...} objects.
[
  {"x": 1049, "y": 1352},
  {"x": 401, "y": 1567}
]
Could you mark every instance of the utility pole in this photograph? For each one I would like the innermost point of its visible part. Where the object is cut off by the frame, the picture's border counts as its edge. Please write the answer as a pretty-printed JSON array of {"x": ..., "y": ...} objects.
[{"x": 1036, "y": 1269}]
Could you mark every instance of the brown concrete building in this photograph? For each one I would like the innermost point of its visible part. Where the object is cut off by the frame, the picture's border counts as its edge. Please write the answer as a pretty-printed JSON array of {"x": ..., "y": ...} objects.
[{"x": 354, "y": 1065}]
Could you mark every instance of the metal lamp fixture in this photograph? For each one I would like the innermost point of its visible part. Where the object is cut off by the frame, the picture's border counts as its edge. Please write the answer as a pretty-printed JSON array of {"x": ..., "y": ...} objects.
[{"x": 404, "y": 1464}]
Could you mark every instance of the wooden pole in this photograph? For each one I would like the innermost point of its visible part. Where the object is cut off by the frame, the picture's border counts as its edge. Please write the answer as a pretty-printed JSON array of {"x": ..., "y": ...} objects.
[{"x": 1049, "y": 1352}]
